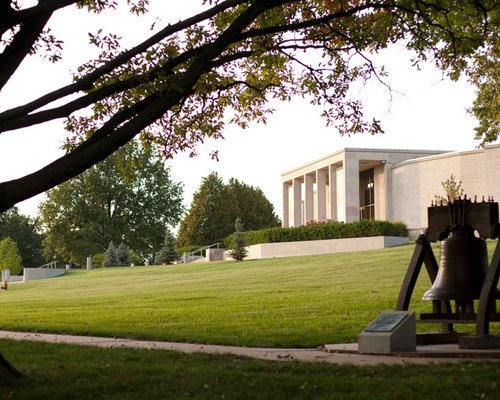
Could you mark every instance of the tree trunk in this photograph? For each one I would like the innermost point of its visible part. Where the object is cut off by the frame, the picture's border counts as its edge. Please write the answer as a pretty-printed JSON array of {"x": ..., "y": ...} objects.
[{"x": 7, "y": 370}]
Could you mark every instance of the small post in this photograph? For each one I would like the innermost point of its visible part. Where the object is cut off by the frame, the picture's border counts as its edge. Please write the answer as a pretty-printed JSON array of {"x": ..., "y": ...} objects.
[{"x": 89, "y": 263}]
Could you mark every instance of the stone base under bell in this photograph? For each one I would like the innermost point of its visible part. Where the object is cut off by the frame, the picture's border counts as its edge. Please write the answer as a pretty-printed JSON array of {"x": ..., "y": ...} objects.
[{"x": 479, "y": 342}]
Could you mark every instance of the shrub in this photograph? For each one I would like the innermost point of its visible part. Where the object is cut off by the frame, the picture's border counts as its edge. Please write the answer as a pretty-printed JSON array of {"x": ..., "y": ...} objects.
[
  {"x": 122, "y": 254},
  {"x": 238, "y": 251},
  {"x": 324, "y": 231},
  {"x": 98, "y": 260}
]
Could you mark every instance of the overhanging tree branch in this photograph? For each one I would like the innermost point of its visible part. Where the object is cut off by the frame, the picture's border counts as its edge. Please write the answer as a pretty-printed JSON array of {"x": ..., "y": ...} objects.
[{"x": 234, "y": 44}]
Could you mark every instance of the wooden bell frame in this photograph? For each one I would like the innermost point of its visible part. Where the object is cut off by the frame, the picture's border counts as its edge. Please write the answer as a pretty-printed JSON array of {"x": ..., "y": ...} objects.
[{"x": 483, "y": 217}]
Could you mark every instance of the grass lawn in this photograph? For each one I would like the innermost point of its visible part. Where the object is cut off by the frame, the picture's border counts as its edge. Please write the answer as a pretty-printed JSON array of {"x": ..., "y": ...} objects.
[
  {"x": 290, "y": 302},
  {"x": 286, "y": 302},
  {"x": 71, "y": 372}
]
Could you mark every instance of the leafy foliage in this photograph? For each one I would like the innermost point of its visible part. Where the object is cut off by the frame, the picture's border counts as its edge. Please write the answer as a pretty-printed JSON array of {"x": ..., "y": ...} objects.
[
  {"x": 207, "y": 220},
  {"x": 9, "y": 256},
  {"x": 238, "y": 250},
  {"x": 129, "y": 197},
  {"x": 23, "y": 230},
  {"x": 452, "y": 189},
  {"x": 217, "y": 205},
  {"x": 177, "y": 87}
]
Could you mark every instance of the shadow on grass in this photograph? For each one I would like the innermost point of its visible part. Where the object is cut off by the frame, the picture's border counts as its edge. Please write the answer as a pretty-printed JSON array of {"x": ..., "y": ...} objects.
[{"x": 73, "y": 372}]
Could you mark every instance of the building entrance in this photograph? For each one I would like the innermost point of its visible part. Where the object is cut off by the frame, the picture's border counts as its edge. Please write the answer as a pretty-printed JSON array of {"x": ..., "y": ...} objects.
[{"x": 366, "y": 194}]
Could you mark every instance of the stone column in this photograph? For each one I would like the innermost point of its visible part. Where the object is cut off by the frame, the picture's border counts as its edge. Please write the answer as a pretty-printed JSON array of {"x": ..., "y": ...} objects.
[
  {"x": 309, "y": 197},
  {"x": 321, "y": 194},
  {"x": 286, "y": 205},
  {"x": 297, "y": 202},
  {"x": 388, "y": 192},
  {"x": 351, "y": 184},
  {"x": 332, "y": 179}
]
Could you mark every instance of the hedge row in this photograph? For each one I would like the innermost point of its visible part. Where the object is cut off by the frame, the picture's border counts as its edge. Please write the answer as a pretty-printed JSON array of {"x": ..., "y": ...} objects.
[{"x": 330, "y": 230}]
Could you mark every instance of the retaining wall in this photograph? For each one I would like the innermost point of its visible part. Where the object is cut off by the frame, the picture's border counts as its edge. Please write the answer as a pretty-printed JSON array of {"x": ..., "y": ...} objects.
[
  {"x": 313, "y": 247},
  {"x": 31, "y": 274}
]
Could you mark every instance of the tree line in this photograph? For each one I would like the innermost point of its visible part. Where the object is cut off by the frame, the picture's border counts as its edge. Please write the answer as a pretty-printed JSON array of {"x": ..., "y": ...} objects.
[{"x": 123, "y": 210}]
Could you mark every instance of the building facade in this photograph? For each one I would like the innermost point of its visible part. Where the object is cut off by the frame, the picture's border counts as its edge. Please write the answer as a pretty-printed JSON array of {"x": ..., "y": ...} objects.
[{"x": 392, "y": 185}]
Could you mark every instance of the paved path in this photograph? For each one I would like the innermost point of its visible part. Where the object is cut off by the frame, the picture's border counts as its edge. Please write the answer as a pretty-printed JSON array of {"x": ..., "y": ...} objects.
[{"x": 334, "y": 354}]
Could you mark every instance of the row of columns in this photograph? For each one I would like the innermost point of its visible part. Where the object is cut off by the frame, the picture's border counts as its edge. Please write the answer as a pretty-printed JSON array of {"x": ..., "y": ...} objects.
[{"x": 311, "y": 207}]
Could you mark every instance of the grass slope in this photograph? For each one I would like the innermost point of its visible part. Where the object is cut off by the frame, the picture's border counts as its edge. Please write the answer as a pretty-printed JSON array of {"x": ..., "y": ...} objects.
[{"x": 287, "y": 302}]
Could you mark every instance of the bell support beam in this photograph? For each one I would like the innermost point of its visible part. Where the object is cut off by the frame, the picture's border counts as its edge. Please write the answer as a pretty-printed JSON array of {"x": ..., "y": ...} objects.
[
  {"x": 487, "y": 298},
  {"x": 482, "y": 339},
  {"x": 421, "y": 255}
]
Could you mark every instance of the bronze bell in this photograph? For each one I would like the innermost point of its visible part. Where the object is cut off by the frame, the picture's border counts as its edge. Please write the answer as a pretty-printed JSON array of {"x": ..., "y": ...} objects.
[{"x": 462, "y": 270}]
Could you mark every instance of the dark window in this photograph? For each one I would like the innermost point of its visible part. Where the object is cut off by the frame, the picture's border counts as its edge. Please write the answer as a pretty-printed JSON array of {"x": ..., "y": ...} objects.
[{"x": 366, "y": 195}]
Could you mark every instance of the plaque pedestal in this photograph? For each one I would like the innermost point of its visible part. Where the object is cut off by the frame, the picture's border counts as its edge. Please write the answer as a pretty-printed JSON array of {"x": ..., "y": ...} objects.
[{"x": 391, "y": 331}]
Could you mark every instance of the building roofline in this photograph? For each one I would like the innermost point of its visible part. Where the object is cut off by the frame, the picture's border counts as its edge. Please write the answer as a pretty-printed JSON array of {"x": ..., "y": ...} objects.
[
  {"x": 446, "y": 155},
  {"x": 368, "y": 150}
]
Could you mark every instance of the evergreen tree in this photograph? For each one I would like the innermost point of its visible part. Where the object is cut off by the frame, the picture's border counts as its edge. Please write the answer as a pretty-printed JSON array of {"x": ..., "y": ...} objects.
[
  {"x": 10, "y": 257},
  {"x": 168, "y": 253},
  {"x": 238, "y": 250},
  {"x": 122, "y": 254},
  {"x": 111, "y": 256}
]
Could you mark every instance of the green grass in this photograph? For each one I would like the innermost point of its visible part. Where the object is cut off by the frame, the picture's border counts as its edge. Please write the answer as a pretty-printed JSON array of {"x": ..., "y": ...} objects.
[
  {"x": 287, "y": 302},
  {"x": 299, "y": 302},
  {"x": 72, "y": 372}
]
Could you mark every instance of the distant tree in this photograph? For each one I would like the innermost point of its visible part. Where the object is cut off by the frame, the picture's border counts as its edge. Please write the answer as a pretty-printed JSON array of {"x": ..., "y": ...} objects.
[
  {"x": 208, "y": 220},
  {"x": 10, "y": 257},
  {"x": 167, "y": 253},
  {"x": 122, "y": 254},
  {"x": 129, "y": 197},
  {"x": 253, "y": 210},
  {"x": 452, "y": 189},
  {"x": 217, "y": 205},
  {"x": 24, "y": 232},
  {"x": 238, "y": 250},
  {"x": 111, "y": 256}
]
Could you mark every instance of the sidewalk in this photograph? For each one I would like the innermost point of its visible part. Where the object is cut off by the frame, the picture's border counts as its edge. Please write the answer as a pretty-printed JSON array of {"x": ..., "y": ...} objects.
[{"x": 345, "y": 354}]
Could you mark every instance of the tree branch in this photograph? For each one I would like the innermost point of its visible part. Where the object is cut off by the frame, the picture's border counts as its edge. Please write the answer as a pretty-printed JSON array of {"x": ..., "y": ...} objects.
[
  {"x": 86, "y": 82},
  {"x": 102, "y": 145}
]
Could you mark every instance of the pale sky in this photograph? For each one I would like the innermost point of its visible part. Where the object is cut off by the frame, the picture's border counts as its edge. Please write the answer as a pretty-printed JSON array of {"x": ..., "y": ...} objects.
[{"x": 427, "y": 112}]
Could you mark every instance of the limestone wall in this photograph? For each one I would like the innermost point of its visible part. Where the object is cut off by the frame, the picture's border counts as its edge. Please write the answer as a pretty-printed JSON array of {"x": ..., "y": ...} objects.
[
  {"x": 416, "y": 182},
  {"x": 314, "y": 247}
]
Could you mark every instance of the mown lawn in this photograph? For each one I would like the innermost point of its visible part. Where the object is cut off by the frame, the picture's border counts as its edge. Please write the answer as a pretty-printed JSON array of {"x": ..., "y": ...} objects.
[
  {"x": 292, "y": 302},
  {"x": 72, "y": 372},
  {"x": 287, "y": 302}
]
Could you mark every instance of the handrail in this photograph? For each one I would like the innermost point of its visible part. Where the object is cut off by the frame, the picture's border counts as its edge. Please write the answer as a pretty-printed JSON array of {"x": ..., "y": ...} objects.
[
  {"x": 186, "y": 257},
  {"x": 52, "y": 264}
]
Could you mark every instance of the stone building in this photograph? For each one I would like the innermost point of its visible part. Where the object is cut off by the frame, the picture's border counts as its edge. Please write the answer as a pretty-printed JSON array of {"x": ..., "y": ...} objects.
[{"x": 393, "y": 185}]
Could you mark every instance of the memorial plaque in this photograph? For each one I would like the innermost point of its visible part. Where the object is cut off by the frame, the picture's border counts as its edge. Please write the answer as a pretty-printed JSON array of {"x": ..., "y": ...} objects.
[
  {"x": 386, "y": 323},
  {"x": 391, "y": 331}
]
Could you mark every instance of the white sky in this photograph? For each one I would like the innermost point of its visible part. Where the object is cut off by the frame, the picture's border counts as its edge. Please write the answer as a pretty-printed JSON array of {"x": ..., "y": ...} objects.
[{"x": 427, "y": 112}]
